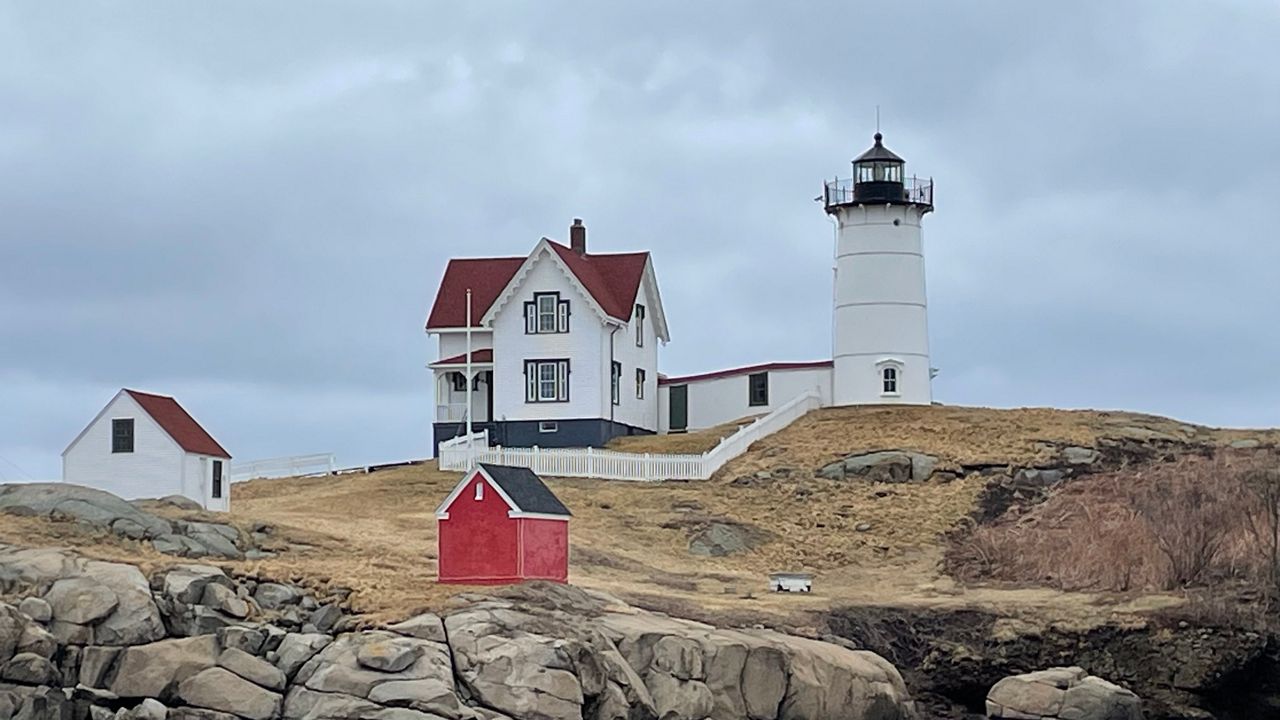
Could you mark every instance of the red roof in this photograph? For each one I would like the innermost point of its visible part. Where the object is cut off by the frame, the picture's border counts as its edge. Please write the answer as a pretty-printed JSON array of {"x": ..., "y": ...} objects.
[
  {"x": 181, "y": 426},
  {"x": 749, "y": 369},
  {"x": 487, "y": 278},
  {"x": 613, "y": 279},
  {"x": 477, "y": 356}
]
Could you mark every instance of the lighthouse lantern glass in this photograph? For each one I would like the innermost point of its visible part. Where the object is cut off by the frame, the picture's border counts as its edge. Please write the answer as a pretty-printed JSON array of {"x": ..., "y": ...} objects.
[{"x": 879, "y": 172}]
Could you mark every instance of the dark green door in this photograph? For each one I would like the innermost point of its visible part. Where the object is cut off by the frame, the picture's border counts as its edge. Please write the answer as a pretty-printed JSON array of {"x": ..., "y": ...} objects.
[{"x": 679, "y": 401}]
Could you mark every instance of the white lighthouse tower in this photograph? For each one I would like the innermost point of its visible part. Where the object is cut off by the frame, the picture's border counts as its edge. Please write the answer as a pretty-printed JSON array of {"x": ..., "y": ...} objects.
[{"x": 881, "y": 326}]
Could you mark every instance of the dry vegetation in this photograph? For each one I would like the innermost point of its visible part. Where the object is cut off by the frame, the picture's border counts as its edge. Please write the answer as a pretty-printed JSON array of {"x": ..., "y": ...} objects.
[
  {"x": 1168, "y": 526},
  {"x": 375, "y": 533}
]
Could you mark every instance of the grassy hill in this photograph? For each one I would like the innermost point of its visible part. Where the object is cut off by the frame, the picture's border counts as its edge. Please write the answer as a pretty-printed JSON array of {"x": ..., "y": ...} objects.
[{"x": 868, "y": 543}]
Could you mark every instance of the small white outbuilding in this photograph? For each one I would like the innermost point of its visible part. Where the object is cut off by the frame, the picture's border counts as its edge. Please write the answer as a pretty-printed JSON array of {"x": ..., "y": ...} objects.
[{"x": 145, "y": 446}]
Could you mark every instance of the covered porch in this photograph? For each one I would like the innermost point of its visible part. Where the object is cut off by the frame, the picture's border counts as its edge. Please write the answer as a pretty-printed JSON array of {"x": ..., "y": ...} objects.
[{"x": 451, "y": 385}]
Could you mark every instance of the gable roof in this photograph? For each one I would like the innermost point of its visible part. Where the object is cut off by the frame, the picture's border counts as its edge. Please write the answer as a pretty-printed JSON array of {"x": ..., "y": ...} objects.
[
  {"x": 521, "y": 488},
  {"x": 524, "y": 488},
  {"x": 611, "y": 279},
  {"x": 487, "y": 278},
  {"x": 183, "y": 428}
]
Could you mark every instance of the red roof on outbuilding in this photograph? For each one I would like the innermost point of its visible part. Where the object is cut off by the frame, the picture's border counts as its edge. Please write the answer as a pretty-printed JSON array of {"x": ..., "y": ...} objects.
[
  {"x": 179, "y": 424},
  {"x": 612, "y": 279}
]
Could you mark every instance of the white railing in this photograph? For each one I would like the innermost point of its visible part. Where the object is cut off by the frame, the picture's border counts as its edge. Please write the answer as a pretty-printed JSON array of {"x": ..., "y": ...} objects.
[
  {"x": 297, "y": 465},
  {"x": 458, "y": 454}
]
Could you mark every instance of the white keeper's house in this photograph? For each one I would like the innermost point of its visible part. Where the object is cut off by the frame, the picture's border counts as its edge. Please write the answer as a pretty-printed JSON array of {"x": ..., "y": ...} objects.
[
  {"x": 564, "y": 342},
  {"x": 143, "y": 445}
]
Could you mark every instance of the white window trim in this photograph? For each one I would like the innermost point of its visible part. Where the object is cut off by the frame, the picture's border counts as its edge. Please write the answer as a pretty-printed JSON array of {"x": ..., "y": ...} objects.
[
  {"x": 881, "y": 367},
  {"x": 548, "y": 426},
  {"x": 479, "y": 491}
]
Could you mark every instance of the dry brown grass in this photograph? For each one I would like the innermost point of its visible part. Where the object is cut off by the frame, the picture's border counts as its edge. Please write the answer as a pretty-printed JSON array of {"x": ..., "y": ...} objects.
[
  {"x": 694, "y": 441},
  {"x": 376, "y": 533},
  {"x": 1165, "y": 527}
]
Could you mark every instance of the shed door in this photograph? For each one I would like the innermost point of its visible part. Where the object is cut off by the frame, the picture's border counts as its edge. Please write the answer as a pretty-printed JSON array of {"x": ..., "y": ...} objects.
[{"x": 678, "y": 399}]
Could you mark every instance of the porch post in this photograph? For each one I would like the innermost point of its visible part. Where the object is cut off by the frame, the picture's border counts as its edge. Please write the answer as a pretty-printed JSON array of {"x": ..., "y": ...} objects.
[{"x": 470, "y": 451}]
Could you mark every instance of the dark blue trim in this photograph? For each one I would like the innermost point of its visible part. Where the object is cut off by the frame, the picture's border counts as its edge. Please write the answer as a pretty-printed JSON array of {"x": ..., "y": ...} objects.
[{"x": 589, "y": 432}]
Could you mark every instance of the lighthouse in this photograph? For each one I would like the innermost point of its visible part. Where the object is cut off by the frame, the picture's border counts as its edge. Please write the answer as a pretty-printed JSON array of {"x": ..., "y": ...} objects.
[{"x": 880, "y": 324}]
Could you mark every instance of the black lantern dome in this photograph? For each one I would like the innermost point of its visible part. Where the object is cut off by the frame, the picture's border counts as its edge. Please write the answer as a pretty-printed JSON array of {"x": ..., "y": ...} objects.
[{"x": 879, "y": 178}]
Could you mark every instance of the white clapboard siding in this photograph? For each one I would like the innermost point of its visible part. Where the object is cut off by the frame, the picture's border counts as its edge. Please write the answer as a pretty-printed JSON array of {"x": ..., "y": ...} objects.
[{"x": 462, "y": 453}]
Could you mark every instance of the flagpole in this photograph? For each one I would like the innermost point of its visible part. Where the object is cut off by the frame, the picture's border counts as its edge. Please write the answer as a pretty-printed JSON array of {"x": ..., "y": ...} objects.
[{"x": 470, "y": 453}]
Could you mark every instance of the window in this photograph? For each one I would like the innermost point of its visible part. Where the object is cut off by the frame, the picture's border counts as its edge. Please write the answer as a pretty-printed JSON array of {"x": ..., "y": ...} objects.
[
  {"x": 217, "y": 478},
  {"x": 548, "y": 426},
  {"x": 546, "y": 380},
  {"x": 617, "y": 383},
  {"x": 122, "y": 435},
  {"x": 547, "y": 313},
  {"x": 639, "y": 325},
  {"x": 889, "y": 377},
  {"x": 758, "y": 389},
  {"x": 639, "y": 383},
  {"x": 479, "y": 490},
  {"x": 459, "y": 381}
]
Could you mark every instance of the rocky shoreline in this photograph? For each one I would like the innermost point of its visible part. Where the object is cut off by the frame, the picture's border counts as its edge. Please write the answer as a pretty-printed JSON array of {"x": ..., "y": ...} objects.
[{"x": 88, "y": 639}]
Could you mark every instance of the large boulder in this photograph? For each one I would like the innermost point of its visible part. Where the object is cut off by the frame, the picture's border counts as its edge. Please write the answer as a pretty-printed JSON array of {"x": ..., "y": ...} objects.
[
  {"x": 338, "y": 667},
  {"x": 87, "y": 505},
  {"x": 148, "y": 670},
  {"x": 136, "y": 619},
  {"x": 892, "y": 466},
  {"x": 720, "y": 538},
  {"x": 1066, "y": 693},
  {"x": 80, "y": 600},
  {"x": 222, "y": 690}
]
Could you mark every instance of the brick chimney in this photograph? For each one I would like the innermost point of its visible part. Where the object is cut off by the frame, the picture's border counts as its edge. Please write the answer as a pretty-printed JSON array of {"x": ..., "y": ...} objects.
[{"x": 578, "y": 237}]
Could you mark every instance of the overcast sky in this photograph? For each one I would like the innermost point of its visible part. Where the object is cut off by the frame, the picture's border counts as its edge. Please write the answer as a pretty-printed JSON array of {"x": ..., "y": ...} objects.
[{"x": 249, "y": 205}]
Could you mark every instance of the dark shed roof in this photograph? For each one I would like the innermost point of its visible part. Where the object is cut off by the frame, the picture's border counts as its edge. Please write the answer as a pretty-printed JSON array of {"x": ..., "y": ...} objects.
[
  {"x": 526, "y": 490},
  {"x": 878, "y": 152}
]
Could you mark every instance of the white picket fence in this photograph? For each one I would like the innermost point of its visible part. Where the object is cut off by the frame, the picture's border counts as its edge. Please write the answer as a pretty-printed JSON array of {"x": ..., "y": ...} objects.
[
  {"x": 318, "y": 464},
  {"x": 459, "y": 454}
]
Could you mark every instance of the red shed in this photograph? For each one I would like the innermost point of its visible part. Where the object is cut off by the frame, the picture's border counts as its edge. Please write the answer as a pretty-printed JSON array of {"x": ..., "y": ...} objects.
[{"x": 502, "y": 525}]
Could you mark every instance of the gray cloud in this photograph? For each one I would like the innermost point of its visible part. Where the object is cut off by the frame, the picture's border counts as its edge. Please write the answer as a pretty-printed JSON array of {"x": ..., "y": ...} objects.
[{"x": 249, "y": 205}]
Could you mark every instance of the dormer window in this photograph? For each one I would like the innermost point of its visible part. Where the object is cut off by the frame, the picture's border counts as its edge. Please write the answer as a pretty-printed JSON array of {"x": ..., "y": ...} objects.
[{"x": 546, "y": 313}]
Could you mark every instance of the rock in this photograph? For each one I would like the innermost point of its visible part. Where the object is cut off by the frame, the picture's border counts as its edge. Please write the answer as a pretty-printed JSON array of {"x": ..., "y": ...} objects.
[
  {"x": 180, "y": 502},
  {"x": 35, "y": 639},
  {"x": 325, "y": 617},
  {"x": 220, "y": 689},
  {"x": 218, "y": 540},
  {"x": 147, "y": 670},
  {"x": 1039, "y": 478},
  {"x": 424, "y": 627},
  {"x": 1075, "y": 455},
  {"x": 186, "y": 583},
  {"x": 80, "y": 600},
  {"x": 30, "y": 669},
  {"x": 189, "y": 713},
  {"x": 297, "y": 648},
  {"x": 136, "y": 619},
  {"x": 250, "y": 640},
  {"x": 389, "y": 655},
  {"x": 255, "y": 670},
  {"x": 71, "y": 633},
  {"x": 893, "y": 466},
  {"x": 1245, "y": 444},
  {"x": 304, "y": 704},
  {"x": 862, "y": 527},
  {"x": 1067, "y": 693},
  {"x": 224, "y": 600},
  {"x": 432, "y": 695},
  {"x": 180, "y": 545},
  {"x": 337, "y": 667},
  {"x": 95, "y": 663},
  {"x": 36, "y": 609},
  {"x": 149, "y": 709},
  {"x": 87, "y": 505},
  {"x": 718, "y": 539},
  {"x": 273, "y": 596}
]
